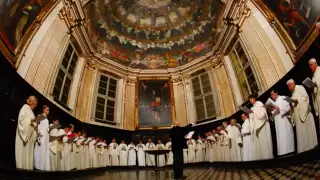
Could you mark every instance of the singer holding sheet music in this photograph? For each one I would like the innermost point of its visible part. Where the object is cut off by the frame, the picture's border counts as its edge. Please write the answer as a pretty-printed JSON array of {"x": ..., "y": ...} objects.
[{"x": 178, "y": 144}]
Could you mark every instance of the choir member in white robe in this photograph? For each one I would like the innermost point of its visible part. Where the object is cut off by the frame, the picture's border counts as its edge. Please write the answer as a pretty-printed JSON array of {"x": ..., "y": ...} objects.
[
  {"x": 132, "y": 154},
  {"x": 80, "y": 151},
  {"x": 191, "y": 150},
  {"x": 316, "y": 90},
  {"x": 219, "y": 145},
  {"x": 226, "y": 143},
  {"x": 65, "y": 160},
  {"x": 282, "y": 120},
  {"x": 199, "y": 150},
  {"x": 246, "y": 133},
  {"x": 92, "y": 153},
  {"x": 185, "y": 156},
  {"x": 123, "y": 154},
  {"x": 106, "y": 154},
  {"x": 302, "y": 117},
  {"x": 161, "y": 158},
  {"x": 85, "y": 143},
  {"x": 150, "y": 158},
  {"x": 233, "y": 134},
  {"x": 141, "y": 154},
  {"x": 53, "y": 145},
  {"x": 71, "y": 137},
  {"x": 207, "y": 145},
  {"x": 214, "y": 146},
  {"x": 114, "y": 152},
  {"x": 61, "y": 134},
  {"x": 262, "y": 132},
  {"x": 26, "y": 135},
  {"x": 170, "y": 154},
  {"x": 42, "y": 151}
]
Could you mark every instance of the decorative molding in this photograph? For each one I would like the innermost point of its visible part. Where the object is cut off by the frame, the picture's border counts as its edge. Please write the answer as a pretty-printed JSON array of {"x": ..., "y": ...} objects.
[
  {"x": 176, "y": 79},
  {"x": 90, "y": 63},
  {"x": 71, "y": 15},
  {"x": 131, "y": 80}
]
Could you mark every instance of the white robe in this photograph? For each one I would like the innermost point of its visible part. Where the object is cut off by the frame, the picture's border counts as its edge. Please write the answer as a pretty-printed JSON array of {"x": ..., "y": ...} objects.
[
  {"x": 106, "y": 156},
  {"x": 207, "y": 150},
  {"x": 54, "y": 153},
  {"x": 65, "y": 159},
  {"x": 316, "y": 91},
  {"x": 25, "y": 139},
  {"x": 114, "y": 152},
  {"x": 85, "y": 163},
  {"x": 185, "y": 156},
  {"x": 150, "y": 159},
  {"x": 248, "y": 146},
  {"x": 284, "y": 129},
  {"x": 170, "y": 154},
  {"x": 226, "y": 146},
  {"x": 132, "y": 155},
  {"x": 303, "y": 118},
  {"x": 199, "y": 151},
  {"x": 192, "y": 151},
  {"x": 93, "y": 161},
  {"x": 80, "y": 153},
  {"x": 42, "y": 151},
  {"x": 123, "y": 154},
  {"x": 161, "y": 158},
  {"x": 141, "y": 154},
  {"x": 261, "y": 132},
  {"x": 233, "y": 134}
]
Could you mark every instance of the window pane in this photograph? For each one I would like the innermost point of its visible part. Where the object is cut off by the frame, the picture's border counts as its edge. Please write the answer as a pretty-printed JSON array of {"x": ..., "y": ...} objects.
[
  {"x": 235, "y": 62},
  {"x": 61, "y": 74},
  {"x": 111, "y": 94},
  {"x": 244, "y": 86},
  {"x": 56, "y": 92},
  {"x": 243, "y": 60},
  {"x": 113, "y": 82},
  {"x": 99, "y": 115},
  {"x": 110, "y": 117},
  {"x": 58, "y": 83},
  {"x": 101, "y": 101},
  {"x": 103, "y": 84},
  {"x": 67, "y": 85},
  {"x": 207, "y": 90},
  {"x": 65, "y": 62},
  {"x": 110, "y": 110},
  {"x": 197, "y": 93},
  {"x": 102, "y": 91},
  {"x": 99, "y": 107},
  {"x": 238, "y": 46},
  {"x": 248, "y": 71},
  {"x": 208, "y": 98},
  {"x": 251, "y": 80},
  {"x": 204, "y": 77},
  {"x": 210, "y": 106},
  {"x": 112, "y": 87},
  {"x": 200, "y": 113},
  {"x": 254, "y": 89},
  {"x": 110, "y": 103},
  {"x": 64, "y": 99},
  {"x": 211, "y": 113},
  {"x": 199, "y": 102},
  {"x": 104, "y": 78}
]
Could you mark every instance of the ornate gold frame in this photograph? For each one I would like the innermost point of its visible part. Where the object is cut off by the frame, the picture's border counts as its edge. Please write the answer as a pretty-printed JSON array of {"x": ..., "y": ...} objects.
[
  {"x": 26, "y": 38},
  {"x": 172, "y": 103},
  {"x": 295, "y": 51}
]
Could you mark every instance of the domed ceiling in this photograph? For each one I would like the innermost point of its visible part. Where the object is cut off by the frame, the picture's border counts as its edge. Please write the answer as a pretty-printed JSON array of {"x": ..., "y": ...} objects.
[{"x": 153, "y": 33}]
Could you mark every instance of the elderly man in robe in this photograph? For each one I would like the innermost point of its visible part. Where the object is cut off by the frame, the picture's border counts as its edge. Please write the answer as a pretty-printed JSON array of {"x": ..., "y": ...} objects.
[
  {"x": 303, "y": 118},
  {"x": 26, "y": 135},
  {"x": 141, "y": 154},
  {"x": 233, "y": 134},
  {"x": 42, "y": 151},
  {"x": 132, "y": 155},
  {"x": 123, "y": 154},
  {"x": 114, "y": 152},
  {"x": 282, "y": 119},
  {"x": 246, "y": 133},
  {"x": 261, "y": 132},
  {"x": 316, "y": 80}
]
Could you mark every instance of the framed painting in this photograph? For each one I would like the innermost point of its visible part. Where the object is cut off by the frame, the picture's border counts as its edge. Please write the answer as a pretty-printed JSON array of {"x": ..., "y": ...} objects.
[
  {"x": 293, "y": 20},
  {"x": 19, "y": 21},
  {"x": 154, "y": 103}
]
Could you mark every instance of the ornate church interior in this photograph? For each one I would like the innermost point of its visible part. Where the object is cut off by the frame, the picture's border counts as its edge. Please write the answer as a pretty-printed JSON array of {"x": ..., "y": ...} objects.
[{"x": 97, "y": 89}]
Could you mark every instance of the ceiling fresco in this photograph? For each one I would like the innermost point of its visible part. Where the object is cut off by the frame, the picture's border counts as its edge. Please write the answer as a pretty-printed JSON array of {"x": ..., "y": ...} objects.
[{"x": 153, "y": 33}]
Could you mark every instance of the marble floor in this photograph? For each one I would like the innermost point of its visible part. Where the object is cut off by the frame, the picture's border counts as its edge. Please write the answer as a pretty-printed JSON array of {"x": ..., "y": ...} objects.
[{"x": 303, "y": 171}]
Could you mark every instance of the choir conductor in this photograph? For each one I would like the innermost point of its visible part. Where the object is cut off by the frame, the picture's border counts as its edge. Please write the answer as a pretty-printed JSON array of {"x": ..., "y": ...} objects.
[{"x": 178, "y": 144}]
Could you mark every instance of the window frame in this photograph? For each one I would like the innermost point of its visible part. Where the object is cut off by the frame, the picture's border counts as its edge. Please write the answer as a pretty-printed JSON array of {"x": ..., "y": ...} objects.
[
  {"x": 249, "y": 63},
  {"x": 67, "y": 75},
  {"x": 202, "y": 96},
  {"x": 106, "y": 98}
]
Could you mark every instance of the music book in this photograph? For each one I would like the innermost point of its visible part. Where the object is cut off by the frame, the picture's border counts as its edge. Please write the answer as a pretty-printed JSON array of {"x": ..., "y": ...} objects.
[
  {"x": 288, "y": 99},
  {"x": 189, "y": 135},
  {"x": 39, "y": 118},
  {"x": 308, "y": 83},
  {"x": 270, "y": 103},
  {"x": 245, "y": 109},
  {"x": 55, "y": 126}
]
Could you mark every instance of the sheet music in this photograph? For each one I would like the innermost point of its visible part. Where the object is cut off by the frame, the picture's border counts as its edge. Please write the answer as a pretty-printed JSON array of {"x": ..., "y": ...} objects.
[
  {"x": 189, "y": 135},
  {"x": 270, "y": 103},
  {"x": 39, "y": 118},
  {"x": 308, "y": 83},
  {"x": 245, "y": 109},
  {"x": 55, "y": 126},
  {"x": 288, "y": 99}
]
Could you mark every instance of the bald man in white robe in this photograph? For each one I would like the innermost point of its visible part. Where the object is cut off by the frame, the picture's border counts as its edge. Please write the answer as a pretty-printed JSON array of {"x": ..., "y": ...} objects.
[
  {"x": 302, "y": 117},
  {"x": 316, "y": 80},
  {"x": 26, "y": 135},
  {"x": 233, "y": 134},
  {"x": 261, "y": 132}
]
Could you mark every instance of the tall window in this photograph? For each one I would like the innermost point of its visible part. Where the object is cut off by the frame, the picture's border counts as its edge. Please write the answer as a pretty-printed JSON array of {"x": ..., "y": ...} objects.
[
  {"x": 105, "y": 99},
  {"x": 203, "y": 97},
  {"x": 243, "y": 68},
  {"x": 65, "y": 75}
]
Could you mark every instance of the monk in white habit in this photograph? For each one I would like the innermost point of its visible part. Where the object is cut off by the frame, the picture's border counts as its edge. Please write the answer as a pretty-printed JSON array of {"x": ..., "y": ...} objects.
[
  {"x": 141, "y": 154},
  {"x": 80, "y": 151},
  {"x": 262, "y": 132},
  {"x": 233, "y": 134},
  {"x": 191, "y": 150},
  {"x": 123, "y": 154},
  {"x": 161, "y": 158},
  {"x": 106, "y": 154},
  {"x": 85, "y": 143},
  {"x": 199, "y": 150},
  {"x": 150, "y": 158},
  {"x": 26, "y": 135},
  {"x": 170, "y": 154},
  {"x": 219, "y": 151},
  {"x": 316, "y": 80},
  {"x": 132, "y": 154},
  {"x": 208, "y": 148},
  {"x": 226, "y": 147},
  {"x": 246, "y": 133},
  {"x": 93, "y": 161},
  {"x": 100, "y": 153},
  {"x": 42, "y": 151},
  {"x": 302, "y": 117},
  {"x": 114, "y": 152},
  {"x": 53, "y": 146},
  {"x": 282, "y": 119}
]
